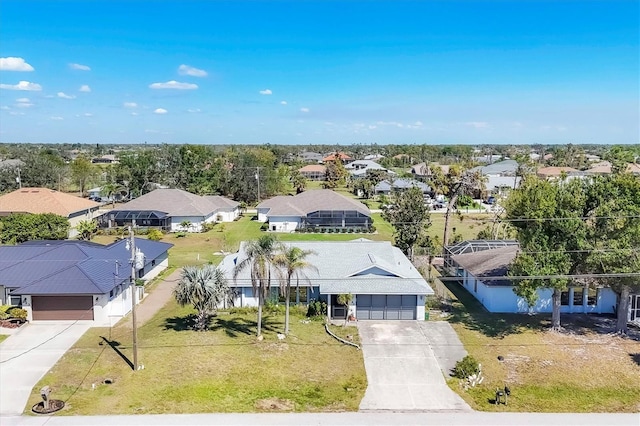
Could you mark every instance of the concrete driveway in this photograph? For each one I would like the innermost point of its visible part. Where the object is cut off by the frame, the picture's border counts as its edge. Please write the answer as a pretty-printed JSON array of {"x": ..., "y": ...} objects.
[
  {"x": 402, "y": 368},
  {"x": 28, "y": 354}
]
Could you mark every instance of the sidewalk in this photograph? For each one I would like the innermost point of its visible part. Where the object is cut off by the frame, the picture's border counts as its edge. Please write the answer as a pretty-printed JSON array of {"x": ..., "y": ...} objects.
[{"x": 156, "y": 299}]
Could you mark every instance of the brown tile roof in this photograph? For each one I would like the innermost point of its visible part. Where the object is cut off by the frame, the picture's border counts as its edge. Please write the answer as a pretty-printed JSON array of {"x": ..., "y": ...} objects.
[
  {"x": 555, "y": 171},
  {"x": 44, "y": 200},
  {"x": 311, "y": 201},
  {"x": 332, "y": 157},
  {"x": 313, "y": 168},
  {"x": 633, "y": 168}
]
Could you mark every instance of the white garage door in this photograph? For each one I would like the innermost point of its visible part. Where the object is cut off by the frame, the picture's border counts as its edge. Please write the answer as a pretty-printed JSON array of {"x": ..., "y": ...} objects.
[{"x": 386, "y": 307}]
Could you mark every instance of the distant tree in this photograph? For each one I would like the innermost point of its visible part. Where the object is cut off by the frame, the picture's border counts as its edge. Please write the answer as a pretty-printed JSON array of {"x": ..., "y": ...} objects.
[
  {"x": 203, "y": 287},
  {"x": 20, "y": 227},
  {"x": 292, "y": 260},
  {"x": 299, "y": 181},
  {"x": 87, "y": 229},
  {"x": 409, "y": 217},
  {"x": 336, "y": 174},
  {"x": 82, "y": 171}
]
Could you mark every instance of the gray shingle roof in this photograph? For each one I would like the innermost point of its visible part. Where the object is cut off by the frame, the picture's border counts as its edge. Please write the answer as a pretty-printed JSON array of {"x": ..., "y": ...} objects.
[
  {"x": 311, "y": 201},
  {"x": 402, "y": 183},
  {"x": 358, "y": 266},
  {"x": 70, "y": 267},
  {"x": 488, "y": 263},
  {"x": 176, "y": 202}
]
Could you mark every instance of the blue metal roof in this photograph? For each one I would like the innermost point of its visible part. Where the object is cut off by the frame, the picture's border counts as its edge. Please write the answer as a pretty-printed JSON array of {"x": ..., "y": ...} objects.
[{"x": 70, "y": 267}]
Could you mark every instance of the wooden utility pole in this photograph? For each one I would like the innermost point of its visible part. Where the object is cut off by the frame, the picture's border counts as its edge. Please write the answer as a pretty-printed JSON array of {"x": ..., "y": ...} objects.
[{"x": 258, "y": 179}]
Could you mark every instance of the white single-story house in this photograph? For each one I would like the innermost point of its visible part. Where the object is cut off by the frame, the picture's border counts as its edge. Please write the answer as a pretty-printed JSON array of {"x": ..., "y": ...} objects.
[
  {"x": 169, "y": 208},
  {"x": 76, "y": 280},
  {"x": 319, "y": 208},
  {"x": 384, "y": 283},
  {"x": 386, "y": 187},
  {"x": 482, "y": 266},
  {"x": 359, "y": 168},
  {"x": 45, "y": 200}
]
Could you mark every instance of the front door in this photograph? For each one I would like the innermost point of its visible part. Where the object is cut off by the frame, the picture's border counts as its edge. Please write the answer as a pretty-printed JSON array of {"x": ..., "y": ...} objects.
[{"x": 634, "y": 308}]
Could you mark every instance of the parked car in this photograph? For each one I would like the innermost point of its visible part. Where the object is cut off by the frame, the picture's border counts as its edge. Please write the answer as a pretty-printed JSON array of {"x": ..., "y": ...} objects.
[{"x": 491, "y": 200}]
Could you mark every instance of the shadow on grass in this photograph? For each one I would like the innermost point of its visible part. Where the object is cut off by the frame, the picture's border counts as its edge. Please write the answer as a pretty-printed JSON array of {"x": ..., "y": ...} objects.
[
  {"x": 635, "y": 358},
  {"x": 114, "y": 345},
  {"x": 235, "y": 327},
  {"x": 232, "y": 326},
  {"x": 467, "y": 310}
]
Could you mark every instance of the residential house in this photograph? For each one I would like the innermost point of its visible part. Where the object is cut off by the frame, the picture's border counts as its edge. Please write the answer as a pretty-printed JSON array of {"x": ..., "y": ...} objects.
[
  {"x": 169, "y": 208},
  {"x": 76, "y": 280},
  {"x": 601, "y": 168},
  {"x": 105, "y": 159},
  {"x": 384, "y": 283},
  {"x": 359, "y": 168},
  {"x": 425, "y": 171},
  {"x": 401, "y": 184},
  {"x": 483, "y": 266},
  {"x": 499, "y": 177},
  {"x": 345, "y": 158},
  {"x": 320, "y": 208},
  {"x": 314, "y": 172},
  {"x": 311, "y": 157},
  {"x": 45, "y": 200},
  {"x": 633, "y": 168},
  {"x": 11, "y": 164},
  {"x": 373, "y": 157},
  {"x": 557, "y": 172}
]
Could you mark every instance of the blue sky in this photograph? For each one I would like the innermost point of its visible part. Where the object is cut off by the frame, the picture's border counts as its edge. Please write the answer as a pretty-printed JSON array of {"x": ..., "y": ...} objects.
[{"x": 320, "y": 72}]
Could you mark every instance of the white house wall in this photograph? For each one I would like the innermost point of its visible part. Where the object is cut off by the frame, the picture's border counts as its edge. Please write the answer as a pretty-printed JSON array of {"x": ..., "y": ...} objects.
[
  {"x": 502, "y": 299},
  {"x": 246, "y": 298},
  {"x": 284, "y": 223},
  {"x": 262, "y": 214},
  {"x": 196, "y": 223},
  {"x": 228, "y": 216}
]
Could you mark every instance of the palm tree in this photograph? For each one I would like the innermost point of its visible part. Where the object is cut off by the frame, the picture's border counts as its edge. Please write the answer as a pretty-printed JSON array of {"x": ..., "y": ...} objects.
[
  {"x": 205, "y": 288},
  {"x": 110, "y": 190},
  {"x": 259, "y": 258},
  {"x": 292, "y": 261},
  {"x": 185, "y": 225}
]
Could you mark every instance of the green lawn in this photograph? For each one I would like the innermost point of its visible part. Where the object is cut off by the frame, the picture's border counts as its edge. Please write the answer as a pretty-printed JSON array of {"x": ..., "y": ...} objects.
[
  {"x": 3, "y": 337},
  {"x": 224, "y": 369},
  {"x": 583, "y": 369}
]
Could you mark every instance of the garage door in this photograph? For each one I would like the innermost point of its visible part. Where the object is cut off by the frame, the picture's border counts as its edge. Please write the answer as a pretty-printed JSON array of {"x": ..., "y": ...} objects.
[
  {"x": 385, "y": 307},
  {"x": 62, "y": 307}
]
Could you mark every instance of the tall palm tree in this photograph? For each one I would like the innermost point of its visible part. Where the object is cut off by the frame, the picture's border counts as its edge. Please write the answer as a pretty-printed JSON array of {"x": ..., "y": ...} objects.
[
  {"x": 259, "y": 258},
  {"x": 203, "y": 287},
  {"x": 292, "y": 261},
  {"x": 111, "y": 189}
]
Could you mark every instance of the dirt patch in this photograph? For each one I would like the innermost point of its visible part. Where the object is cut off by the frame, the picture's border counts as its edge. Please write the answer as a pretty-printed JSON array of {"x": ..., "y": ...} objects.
[{"x": 274, "y": 404}]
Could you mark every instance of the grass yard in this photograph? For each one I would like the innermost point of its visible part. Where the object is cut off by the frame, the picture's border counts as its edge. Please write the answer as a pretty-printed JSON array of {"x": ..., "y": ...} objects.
[
  {"x": 224, "y": 369},
  {"x": 582, "y": 369},
  {"x": 3, "y": 337},
  {"x": 467, "y": 225}
]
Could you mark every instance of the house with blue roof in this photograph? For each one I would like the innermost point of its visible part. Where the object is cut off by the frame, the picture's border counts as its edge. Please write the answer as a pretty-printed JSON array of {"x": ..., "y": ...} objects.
[
  {"x": 384, "y": 283},
  {"x": 76, "y": 280}
]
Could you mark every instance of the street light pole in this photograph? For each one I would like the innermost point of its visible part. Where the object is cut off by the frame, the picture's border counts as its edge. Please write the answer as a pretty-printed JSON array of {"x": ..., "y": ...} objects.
[{"x": 132, "y": 247}]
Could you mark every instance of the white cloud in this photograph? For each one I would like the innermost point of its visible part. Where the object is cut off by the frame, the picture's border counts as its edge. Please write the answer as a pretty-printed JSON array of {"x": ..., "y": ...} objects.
[
  {"x": 22, "y": 85},
  {"x": 174, "y": 85},
  {"x": 134, "y": 113},
  {"x": 160, "y": 111},
  {"x": 304, "y": 109},
  {"x": 130, "y": 105},
  {"x": 283, "y": 102},
  {"x": 79, "y": 67},
  {"x": 23, "y": 103},
  {"x": 14, "y": 64},
  {"x": 194, "y": 110},
  {"x": 85, "y": 88},
  {"x": 266, "y": 92},
  {"x": 418, "y": 123},
  {"x": 16, "y": 113},
  {"x": 56, "y": 118},
  {"x": 87, "y": 114},
  {"x": 193, "y": 72},
  {"x": 65, "y": 96},
  {"x": 371, "y": 126},
  {"x": 478, "y": 124}
]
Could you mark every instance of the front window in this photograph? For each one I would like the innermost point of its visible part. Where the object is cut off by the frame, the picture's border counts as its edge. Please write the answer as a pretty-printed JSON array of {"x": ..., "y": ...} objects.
[{"x": 578, "y": 296}]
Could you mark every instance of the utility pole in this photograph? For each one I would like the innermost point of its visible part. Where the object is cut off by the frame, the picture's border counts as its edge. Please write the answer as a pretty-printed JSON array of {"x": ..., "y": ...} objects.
[
  {"x": 19, "y": 179},
  {"x": 258, "y": 179},
  {"x": 132, "y": 247}
]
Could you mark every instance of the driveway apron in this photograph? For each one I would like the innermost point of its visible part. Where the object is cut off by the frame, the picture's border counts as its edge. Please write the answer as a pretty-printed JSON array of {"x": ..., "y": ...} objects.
[
  {"x": 27, "y": 355},
  {"x": 402, "y": 370}
]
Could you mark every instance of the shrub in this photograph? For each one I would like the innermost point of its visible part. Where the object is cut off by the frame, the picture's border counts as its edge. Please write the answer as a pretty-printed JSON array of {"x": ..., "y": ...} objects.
[
  {"x": 18, "y": 313},
  {"x": 317, "y": 308},
  {"x": 208, "y": 226},
  {"x": 181, "y": 235},
  {"x": 271, "y": 306},
  {"x": 466, "y": 367},
  {"x": 3, "y": 311},
  {"x": 264, "y": 227},
  {"x": 432, "y": 302},
  {"x": 155, "y": 235},
  {"x": 343, "y": 230},
  {"x": 372, "y": 228}
]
